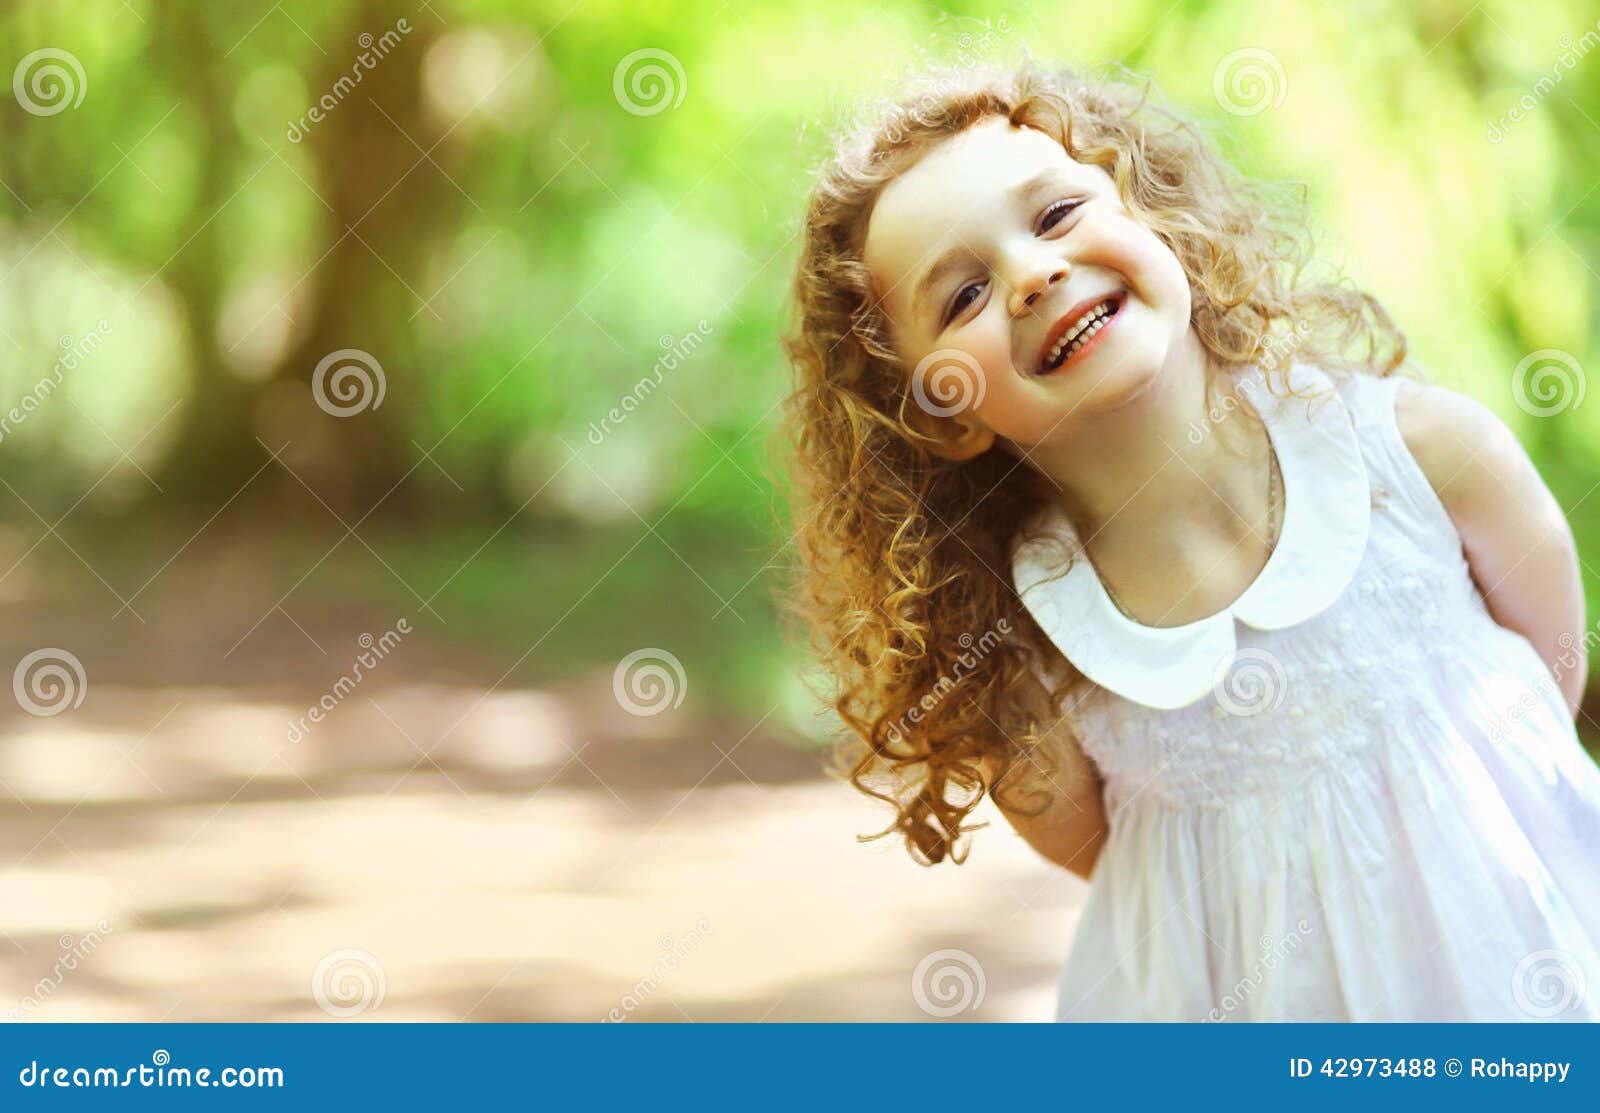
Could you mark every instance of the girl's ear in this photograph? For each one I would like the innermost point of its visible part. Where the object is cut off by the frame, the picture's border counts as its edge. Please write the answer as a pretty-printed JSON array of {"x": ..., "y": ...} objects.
[{"x": 957, "y": 437}]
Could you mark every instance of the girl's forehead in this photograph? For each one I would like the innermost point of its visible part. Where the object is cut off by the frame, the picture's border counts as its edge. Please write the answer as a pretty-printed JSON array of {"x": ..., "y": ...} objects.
[
  {"x": 989, "y": 157},
  {"x": 955, "y": 182}
]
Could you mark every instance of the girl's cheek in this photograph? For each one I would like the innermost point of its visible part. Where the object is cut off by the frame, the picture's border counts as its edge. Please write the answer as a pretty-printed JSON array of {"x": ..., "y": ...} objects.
[
  {"x": 995, "y": 356},
  {"x": 1118, "y": 242},
  {"x": 1125, "y": 246},
  {"x": 1160, "y": 276}
]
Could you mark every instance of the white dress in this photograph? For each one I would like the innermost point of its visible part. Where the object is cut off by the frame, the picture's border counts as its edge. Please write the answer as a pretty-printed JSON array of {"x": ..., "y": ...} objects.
[{"x": 1351, "y": 795}]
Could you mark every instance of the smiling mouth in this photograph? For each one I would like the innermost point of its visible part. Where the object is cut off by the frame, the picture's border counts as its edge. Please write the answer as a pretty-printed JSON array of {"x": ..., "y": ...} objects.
[{"x": 1080, "y": 332}]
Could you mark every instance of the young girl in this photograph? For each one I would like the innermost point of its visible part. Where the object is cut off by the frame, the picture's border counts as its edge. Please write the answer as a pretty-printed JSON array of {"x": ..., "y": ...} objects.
[{"x": 1109, "y": 510}]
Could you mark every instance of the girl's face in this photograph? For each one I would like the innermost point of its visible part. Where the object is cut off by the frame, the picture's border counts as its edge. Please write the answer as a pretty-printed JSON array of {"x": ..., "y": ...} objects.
[{"x": 1000, "y": 257}]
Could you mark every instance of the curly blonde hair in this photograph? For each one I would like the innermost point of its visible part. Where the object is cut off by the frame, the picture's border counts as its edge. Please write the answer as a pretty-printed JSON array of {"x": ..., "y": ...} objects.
[{"x": 904, "y": 553}]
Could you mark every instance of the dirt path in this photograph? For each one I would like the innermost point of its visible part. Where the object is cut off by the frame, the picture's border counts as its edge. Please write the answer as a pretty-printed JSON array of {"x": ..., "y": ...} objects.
[{"x": 170, "y": 855}]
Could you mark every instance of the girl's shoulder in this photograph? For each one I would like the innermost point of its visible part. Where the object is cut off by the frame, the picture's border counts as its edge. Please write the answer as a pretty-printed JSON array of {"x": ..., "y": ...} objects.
[
  {"x": 1417, "y": 440},
  {"x": 1444, "y": 431},
  {"x": 1457, "y": 449},
  {"x": 1456, "y": 440},
  {"x": 1467, "y": 482},
  {"x": 1479, "y": 470}
]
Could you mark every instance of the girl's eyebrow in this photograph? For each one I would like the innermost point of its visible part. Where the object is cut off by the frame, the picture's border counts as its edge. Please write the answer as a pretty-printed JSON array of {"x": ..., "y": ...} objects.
[
  {"x": 959, "y": 253},
  {"x": 955, "y": 256}
]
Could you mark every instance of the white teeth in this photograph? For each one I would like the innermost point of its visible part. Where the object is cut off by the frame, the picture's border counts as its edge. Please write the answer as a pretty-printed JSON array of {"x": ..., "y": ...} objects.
[
  {"x": 1084, "y": 337},
  {"x": 1080, "y": 333}
]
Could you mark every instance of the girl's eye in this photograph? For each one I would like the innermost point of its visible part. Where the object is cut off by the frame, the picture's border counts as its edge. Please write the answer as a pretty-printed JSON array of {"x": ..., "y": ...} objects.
[
  {"x": 1054, "y": 214},
  {"x": 961, "y": 301}
]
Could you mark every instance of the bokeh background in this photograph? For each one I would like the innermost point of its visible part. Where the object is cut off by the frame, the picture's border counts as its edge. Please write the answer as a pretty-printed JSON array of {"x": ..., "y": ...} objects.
[{"x": 447, "y": 333}]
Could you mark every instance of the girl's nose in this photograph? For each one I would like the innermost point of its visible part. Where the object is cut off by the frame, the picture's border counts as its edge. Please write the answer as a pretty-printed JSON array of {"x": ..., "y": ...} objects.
[{"x": 1037, "y": 281}]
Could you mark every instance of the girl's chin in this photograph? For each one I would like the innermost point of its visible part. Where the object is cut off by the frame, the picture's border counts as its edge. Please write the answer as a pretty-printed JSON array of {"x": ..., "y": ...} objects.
[
  {"x": 1128, "y": 390},
  {"x": 1120, "y": 349},
  {"x": 1066, "y": 413},
  {"x": 1122, "y": 382}
]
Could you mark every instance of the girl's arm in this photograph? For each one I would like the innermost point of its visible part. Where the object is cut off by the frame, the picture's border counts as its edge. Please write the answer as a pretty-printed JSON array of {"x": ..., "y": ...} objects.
[
  {"x": 1517, "y": 540},
  {"x": 1071, "y": 828}
]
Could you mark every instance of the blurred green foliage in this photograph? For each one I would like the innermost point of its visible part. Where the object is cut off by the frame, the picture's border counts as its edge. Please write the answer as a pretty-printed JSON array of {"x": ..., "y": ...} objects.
[{"x": 484, "y": 215}]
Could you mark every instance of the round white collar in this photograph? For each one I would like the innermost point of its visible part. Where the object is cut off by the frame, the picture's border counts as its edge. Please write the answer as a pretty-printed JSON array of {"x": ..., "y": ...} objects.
[{"x": 1326, "y": 515}]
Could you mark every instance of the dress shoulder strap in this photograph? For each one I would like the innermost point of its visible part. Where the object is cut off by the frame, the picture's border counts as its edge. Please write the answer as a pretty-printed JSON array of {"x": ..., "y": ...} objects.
[{"x": 1401, "y": 490}]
